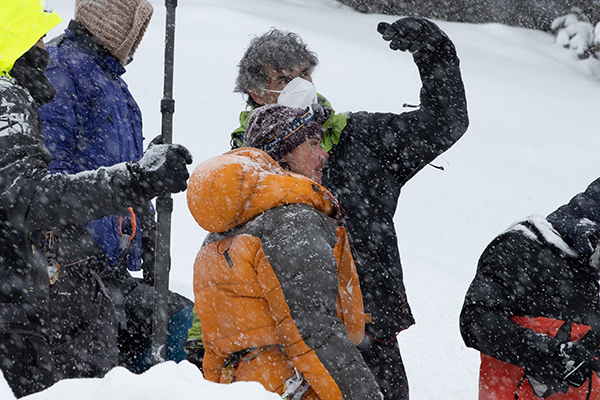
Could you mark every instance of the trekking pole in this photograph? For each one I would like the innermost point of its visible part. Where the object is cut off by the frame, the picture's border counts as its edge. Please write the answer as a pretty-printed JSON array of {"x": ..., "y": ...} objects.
[{"x": 164, "y": 205}]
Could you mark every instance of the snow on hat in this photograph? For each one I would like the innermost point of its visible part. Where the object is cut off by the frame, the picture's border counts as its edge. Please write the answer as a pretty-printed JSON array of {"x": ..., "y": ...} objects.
[
  {"x": 119, "y": 25},
  {"x": 278, "y": 129}
]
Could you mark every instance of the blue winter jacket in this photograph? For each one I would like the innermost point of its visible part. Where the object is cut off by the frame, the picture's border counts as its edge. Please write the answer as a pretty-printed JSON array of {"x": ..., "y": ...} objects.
[{"x": 92, "y": 122}]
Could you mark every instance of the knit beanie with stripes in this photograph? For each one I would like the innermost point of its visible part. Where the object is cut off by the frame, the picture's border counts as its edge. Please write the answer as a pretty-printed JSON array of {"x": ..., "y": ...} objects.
[{"x": 278, "y": 129}]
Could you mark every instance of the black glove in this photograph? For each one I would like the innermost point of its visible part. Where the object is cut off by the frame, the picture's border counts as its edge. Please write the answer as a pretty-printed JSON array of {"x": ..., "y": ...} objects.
[
  {"x": 572, "y": 364},
  {"x": 321, "y": 113},
  {"x": 417, "y": 35},
  {"x": 579, "y": 359},
  {"x": 162, "y": 169}
]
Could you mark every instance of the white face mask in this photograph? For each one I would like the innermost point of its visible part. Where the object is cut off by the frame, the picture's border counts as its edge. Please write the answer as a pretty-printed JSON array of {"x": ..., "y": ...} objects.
[{"x": 298, "y": 93}]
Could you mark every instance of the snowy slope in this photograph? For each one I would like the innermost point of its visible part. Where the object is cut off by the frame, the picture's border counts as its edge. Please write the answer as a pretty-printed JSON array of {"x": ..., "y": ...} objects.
[{"x": 532, "y": 144}]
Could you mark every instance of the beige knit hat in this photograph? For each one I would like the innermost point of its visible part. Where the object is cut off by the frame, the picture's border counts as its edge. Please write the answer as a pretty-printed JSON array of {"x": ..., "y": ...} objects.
[{"x": 119, "y": 25}]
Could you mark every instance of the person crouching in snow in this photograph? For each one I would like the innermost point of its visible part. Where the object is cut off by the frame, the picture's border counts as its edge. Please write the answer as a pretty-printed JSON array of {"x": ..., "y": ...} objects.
[{"x": 275, "y": 284}]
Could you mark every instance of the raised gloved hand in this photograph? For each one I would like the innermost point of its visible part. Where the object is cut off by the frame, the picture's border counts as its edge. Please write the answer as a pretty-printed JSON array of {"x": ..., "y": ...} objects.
[
  {"x": 162, "y": 169},
  {"x": 415, "y": 35}
]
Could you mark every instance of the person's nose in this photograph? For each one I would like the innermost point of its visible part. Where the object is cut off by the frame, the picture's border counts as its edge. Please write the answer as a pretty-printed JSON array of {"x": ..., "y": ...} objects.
[{"x": 324, "y": 155}]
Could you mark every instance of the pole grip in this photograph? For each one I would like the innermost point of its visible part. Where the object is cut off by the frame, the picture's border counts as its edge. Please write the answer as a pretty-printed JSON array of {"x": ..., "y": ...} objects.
[{"x": 167, "y": 106}]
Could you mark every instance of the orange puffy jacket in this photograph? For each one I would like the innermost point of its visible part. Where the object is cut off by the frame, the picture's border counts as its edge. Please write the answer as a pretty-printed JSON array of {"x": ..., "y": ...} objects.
[{"x": 275, "y": 285}]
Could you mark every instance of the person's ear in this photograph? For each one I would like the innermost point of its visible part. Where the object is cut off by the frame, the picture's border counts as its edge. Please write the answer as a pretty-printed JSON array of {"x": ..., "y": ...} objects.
[
  {"x": 284, "y": 162},
  {"x": 40, "y": 43},
  {"x": 257, "y": 95}
]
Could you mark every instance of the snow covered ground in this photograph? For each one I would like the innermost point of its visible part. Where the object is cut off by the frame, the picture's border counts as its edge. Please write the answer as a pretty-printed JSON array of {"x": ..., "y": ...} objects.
[{"x": 533, "y": 143}]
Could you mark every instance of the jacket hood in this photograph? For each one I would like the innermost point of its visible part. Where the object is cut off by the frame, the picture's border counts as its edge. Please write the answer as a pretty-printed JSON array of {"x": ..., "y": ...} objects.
[
  {"x": 24, "y": 22},
  {"x": 231, "y": 189}
]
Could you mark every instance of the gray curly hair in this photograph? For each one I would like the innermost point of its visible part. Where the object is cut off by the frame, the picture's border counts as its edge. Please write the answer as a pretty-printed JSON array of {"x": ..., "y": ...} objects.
[{"x": 277, "y": 49}]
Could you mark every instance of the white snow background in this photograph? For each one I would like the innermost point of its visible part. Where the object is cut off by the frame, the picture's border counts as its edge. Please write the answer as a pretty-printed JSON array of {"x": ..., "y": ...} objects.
[{"x": 533, "y": 143}]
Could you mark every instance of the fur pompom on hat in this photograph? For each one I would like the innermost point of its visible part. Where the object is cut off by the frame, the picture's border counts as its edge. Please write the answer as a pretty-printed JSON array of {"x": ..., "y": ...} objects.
[
  {"x": 119, "y": 25},
  {"x": 278, "y": 129}
]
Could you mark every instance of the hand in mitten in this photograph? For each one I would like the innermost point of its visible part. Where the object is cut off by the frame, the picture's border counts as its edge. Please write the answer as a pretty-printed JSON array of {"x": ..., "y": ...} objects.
[
  {"x": 162, "y": 169},
  {"x": 415, "y": 35}
]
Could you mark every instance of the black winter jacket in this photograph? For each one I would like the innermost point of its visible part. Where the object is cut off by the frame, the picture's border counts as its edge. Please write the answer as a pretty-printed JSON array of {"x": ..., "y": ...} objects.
[
  {"x": 33, "y": 201},
  {"x": 377, "y": 154},
  {"x": 536, "y": 270}
]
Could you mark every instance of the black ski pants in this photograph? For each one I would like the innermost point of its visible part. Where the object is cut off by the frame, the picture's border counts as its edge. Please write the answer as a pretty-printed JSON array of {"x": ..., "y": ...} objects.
[
  {"x": 84, "y": 318},
  {"x": 26, "y": 363},
  {"x": 386, "y": 364}
]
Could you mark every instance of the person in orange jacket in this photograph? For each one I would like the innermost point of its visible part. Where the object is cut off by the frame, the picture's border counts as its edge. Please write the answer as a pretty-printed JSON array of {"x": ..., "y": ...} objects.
[
  {"x": 371, "y": 158},
  {"x": 275, "y": 284}
]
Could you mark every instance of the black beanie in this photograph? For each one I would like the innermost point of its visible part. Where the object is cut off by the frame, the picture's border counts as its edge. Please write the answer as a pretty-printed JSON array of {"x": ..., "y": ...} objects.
[{"x": 267, "y": 123}]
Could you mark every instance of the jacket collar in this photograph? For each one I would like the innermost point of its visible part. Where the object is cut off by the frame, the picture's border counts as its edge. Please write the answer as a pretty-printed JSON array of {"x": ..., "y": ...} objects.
[
  {"x": 231, "y": 189},
  {"x": 100, "y": 53}
]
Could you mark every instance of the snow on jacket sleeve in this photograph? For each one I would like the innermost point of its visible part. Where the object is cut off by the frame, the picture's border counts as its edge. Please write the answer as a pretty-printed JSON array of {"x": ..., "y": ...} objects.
[
  {"x": 32, "y": 197},
  {"x": 298, "y": 252}
]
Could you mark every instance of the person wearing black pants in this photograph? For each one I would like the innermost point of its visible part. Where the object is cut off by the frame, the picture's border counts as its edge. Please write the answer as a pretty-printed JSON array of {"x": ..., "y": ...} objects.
[{"x": 371, "y": 157}]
